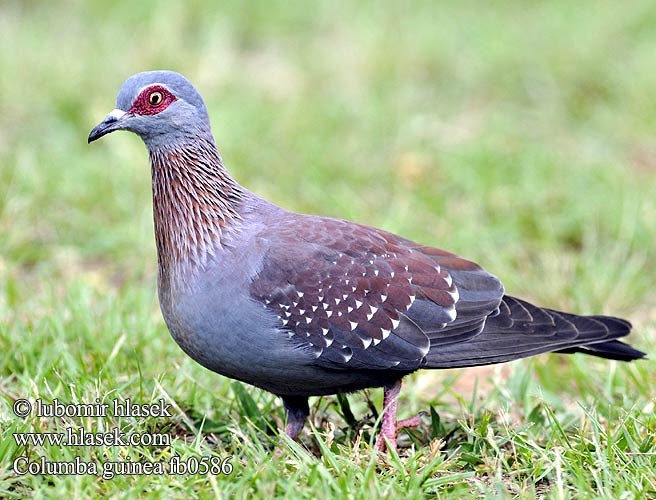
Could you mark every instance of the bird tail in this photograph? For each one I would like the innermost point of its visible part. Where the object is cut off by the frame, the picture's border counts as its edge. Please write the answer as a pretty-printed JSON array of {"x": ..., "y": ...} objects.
[
  {"x": 519, "y": 330},
  {"x": 610, "y": 350}
]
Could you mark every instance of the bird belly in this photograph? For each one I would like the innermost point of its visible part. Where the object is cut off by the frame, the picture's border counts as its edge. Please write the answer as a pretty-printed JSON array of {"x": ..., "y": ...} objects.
[{"x": 235, "y": 337}]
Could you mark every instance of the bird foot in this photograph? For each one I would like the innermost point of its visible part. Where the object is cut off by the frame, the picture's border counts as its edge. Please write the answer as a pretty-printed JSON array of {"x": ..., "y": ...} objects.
[
  {"x": 297, "y": 411},
  {"x": 411, "y": 422},
  {"x": 390, "y": 430}
]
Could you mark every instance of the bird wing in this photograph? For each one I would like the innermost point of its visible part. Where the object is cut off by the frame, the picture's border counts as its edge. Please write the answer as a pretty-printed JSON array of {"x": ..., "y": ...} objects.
[{"x": 362, "y": 298}]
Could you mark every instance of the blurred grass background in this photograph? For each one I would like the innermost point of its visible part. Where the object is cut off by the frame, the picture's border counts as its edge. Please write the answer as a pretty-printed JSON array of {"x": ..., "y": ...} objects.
[{"x": 520, "y": 135}]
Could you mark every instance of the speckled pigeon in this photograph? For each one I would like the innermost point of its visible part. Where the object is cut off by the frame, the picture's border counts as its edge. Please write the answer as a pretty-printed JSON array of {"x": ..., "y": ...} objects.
[{"x": 302, "y": 305}]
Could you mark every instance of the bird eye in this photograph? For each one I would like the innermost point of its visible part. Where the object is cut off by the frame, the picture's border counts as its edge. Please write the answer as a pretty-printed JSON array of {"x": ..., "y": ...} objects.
[{"x": 155, "y": 98}]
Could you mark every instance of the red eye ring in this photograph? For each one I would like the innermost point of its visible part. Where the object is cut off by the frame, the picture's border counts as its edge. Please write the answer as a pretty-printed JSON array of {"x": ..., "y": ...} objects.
[{"x": 152, "y": 100}]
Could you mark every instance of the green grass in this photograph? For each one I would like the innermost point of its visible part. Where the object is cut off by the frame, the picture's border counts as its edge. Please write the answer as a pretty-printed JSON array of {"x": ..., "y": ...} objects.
[{"x": 519, "y": 135}]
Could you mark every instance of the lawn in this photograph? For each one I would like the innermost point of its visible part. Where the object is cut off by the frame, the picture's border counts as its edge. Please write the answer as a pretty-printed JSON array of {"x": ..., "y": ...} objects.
[{"x": 520, "y": 135}]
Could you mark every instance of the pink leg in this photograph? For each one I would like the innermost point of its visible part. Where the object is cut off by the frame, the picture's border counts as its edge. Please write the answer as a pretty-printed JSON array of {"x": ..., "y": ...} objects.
[{"x": 389, "y": 426}]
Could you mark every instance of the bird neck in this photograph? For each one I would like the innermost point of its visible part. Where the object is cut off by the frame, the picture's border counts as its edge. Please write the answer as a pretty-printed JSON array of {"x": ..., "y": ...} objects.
[{"x": 195, "y": 204}]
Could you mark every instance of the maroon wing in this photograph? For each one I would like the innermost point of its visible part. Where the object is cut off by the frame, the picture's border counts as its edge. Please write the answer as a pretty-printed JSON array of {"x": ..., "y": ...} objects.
[{"x": 362, "y": 298}]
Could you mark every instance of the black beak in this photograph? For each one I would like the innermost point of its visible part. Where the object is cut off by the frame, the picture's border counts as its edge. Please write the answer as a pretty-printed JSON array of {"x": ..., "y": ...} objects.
[{"x": 112, "y": 122}]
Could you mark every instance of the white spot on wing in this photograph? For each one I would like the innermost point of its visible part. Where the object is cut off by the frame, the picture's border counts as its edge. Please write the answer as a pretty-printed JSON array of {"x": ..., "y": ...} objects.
[
  {"x": 385, "y": 333},
  {"x": 358, "y": 304},
  {"x": 395, "y": 323},
  {"x": 353, "y": 324}
]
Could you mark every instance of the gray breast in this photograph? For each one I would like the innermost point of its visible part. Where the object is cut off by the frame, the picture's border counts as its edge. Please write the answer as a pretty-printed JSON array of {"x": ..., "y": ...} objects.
[{"x": 212, "y": 317}]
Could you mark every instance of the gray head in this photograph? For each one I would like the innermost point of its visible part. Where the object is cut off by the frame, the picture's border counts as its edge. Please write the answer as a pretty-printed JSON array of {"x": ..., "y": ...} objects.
[{"x": 162, "y": 107}]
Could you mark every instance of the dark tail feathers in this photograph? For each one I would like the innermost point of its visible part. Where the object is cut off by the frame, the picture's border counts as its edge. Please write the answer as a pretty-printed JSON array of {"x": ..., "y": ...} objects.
[{"x": 519, "y": 329}]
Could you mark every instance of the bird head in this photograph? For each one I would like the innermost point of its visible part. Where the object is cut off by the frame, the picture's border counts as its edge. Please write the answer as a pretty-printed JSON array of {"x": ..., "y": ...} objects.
[{"x": 161, "y": 107}]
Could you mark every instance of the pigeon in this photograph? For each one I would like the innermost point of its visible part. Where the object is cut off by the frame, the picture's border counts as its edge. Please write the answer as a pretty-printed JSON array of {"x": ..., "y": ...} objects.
[{"x": 303, "y": 305}]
